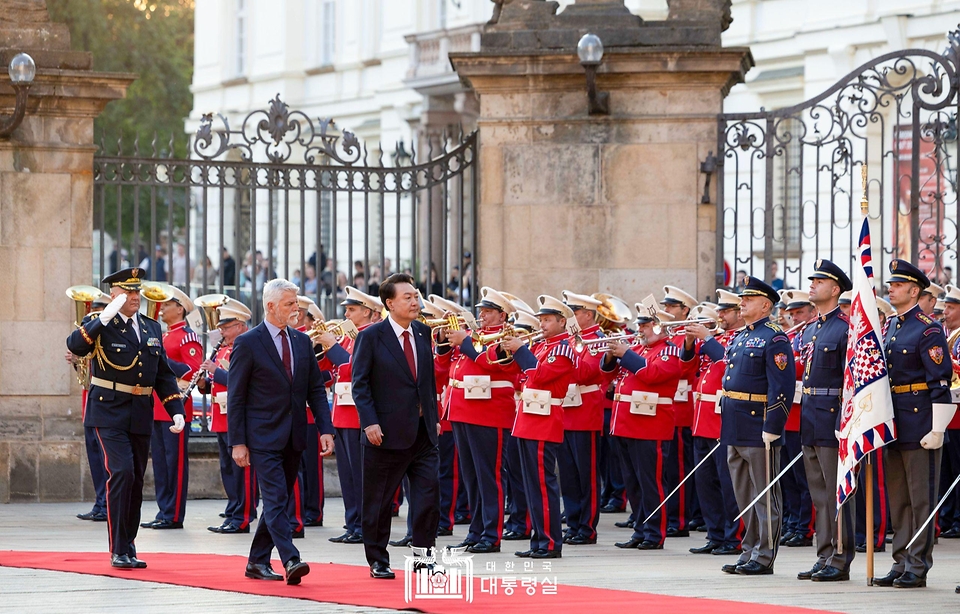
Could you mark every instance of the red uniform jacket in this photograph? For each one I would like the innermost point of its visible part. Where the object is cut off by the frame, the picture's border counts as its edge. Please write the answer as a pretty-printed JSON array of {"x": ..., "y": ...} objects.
[
  {"x": 793, "y": 420},
  {"x": 344, "y": 411},
  {"x": 465, "y": 364},
  {"x": 589, "y": 387},
  {"x": 955, "y": 355},
  {"x": 219, "y": 390},
  {"x": 549, "y": 368},
  {"x": 682, "y": 396},
  {"x": 706, "y": 413},
  {"x": 653, "y": 369},
  {"x": 184, "y": 353}
]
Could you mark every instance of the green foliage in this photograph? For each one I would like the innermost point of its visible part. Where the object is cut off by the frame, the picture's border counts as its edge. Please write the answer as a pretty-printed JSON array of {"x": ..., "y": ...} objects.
[{"x": 152, "y": 38}]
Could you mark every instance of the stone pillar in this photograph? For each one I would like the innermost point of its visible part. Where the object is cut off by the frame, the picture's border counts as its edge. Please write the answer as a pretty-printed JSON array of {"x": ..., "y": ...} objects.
[
  {"x": 46, "y": 230},
  {"x": 593, "y": 202}
]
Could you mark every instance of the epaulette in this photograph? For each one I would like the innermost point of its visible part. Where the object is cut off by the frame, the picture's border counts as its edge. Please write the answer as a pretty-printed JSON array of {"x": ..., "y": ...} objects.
[
  {"x": 90, "y": 316},
  {"x": 844, "y": 317},
  {"x": 774, "y": 327},
  {"x": 924, "y": 318},
  {"x": 563, "y": 349},
  {"x": 190, "y": 337},
  {"x": 780, "y": 337},
  {"x": 670, "y": 350}
]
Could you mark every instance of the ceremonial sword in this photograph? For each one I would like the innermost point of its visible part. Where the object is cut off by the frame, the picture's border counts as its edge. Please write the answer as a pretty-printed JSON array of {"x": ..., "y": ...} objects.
[{"x": 689, "y": 475}]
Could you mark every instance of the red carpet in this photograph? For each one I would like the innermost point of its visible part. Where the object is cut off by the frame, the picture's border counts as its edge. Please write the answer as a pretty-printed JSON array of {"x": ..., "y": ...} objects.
[{"x": 351, "y": 585}]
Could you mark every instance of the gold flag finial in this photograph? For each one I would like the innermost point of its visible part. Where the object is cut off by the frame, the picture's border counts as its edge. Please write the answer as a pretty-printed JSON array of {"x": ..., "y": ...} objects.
[{"x": 864, "y": 205}]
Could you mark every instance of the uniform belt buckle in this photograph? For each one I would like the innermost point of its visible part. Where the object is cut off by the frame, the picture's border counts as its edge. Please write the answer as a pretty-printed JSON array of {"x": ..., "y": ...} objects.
[{"x": 138, "y": 390}]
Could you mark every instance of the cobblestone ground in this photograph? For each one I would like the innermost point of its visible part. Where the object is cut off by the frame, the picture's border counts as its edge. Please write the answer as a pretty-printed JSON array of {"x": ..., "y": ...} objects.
[{"x": 673, "y": 571}]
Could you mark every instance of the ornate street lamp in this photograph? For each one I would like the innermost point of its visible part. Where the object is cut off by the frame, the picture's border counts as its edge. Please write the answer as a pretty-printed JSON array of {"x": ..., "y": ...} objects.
[
  {"x": 22, "y": 70},
  {"x": 590, "y": 50}
]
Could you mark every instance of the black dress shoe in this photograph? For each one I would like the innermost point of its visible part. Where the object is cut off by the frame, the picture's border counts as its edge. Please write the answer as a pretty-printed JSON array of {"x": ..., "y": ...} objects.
[
  {"x": 354, "y": 538},
  {"x": 101, "y": 517},
  {"x": 633, "y": 542},
  {"x": 612, "y": 509},
  {"x": 546, "y": 554},
  {"x": 624, "y": 524},
  {"x": 137, "y": 563},
  {"x": 149, "y": 524},
  {"x": 466, "y": 544},
  {"x": 339, "y": 538},
  {"x": 831, "y": 574},
  {"x": 121, "y": 561},
  {"x": 483, "y": 547},
  {"x": 444, "y": 532},
  {"x": 222, "y": 515},
  {"x": 298, "y": 534},
  {"x": 910, "y": 580},
  {"x": 753, "y": 568},
  {"x": 863, "y": 548},
  {"x": 381, "y": 571},
  {"x": 678, "y": 533},
  {"x": 728, "y": 549},
  {"x": 514, "y": 536},
  {"x": 887, "y": 580},
  {"x": 799, "y": 541},
  {"x": 581, "y": 540},
  {"x": 294, "y": 570},
  {"x": 401, "y": 543},
  {"x": 707, "y": 548},
  {"x": 649, "y": 545},
  {"x": 786, "y": 537},
  {"x": 313, "y": 522},
  {"x": 695, "y": 526},
  {"x": 806, "y": 575},
  {"x": 951, "y": 533},
  {"x": 732, "y": 568},
  {"x": 461, "y": 519},
  {"x": 261, "y": 571},
  {"x": 524, "y": 554},
  {"x": 88, "y": 516},
  {"x": 166, "y": 524},
  {"x": 228, "y": 528},
  {"x": 217, "y": 528}
]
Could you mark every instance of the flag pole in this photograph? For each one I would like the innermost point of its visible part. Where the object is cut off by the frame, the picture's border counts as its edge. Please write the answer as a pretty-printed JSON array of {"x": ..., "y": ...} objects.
[{"x": 868, "y": 493}]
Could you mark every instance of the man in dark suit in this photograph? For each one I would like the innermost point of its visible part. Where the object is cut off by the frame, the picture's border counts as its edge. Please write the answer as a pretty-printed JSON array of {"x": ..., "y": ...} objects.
[
  {"x": 394, "y": 390},
  {"x": 273, "y": 373},
  {"x": 127, "y": 364}
]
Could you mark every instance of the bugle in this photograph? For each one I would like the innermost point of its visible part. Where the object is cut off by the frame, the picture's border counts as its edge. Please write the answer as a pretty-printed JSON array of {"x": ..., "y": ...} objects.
[
  {"x": 580, "y": 344},
  {"x": 677, "y": 327},
  {"x": 528, "y": 338},
  {"x": 83, "y": 298}
]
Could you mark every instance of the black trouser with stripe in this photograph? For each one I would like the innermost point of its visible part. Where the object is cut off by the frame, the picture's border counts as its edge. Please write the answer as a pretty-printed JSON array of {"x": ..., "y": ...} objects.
[{"x": 125, "y": 459}]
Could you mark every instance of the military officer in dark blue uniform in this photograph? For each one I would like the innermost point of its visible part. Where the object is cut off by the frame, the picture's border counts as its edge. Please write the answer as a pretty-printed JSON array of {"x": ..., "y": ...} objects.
[
  {"x": 127, "y": 363},
  {"x": 918, "y": 361},
  {"x": 823, "y": 354},
  {"x": 757, "y": 393}
]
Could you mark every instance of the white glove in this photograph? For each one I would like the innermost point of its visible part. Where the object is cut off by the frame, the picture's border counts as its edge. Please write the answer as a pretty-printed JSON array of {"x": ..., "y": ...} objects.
[
  {"x": 769, "y": 438},
  {"x": 178, "y": 423},
  {"x": 932, "y": 441},
  {"x": 112, "y": 309}
]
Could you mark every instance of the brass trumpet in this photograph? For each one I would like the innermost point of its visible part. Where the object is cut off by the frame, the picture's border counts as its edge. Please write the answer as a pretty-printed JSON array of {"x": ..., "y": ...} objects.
[
  {"x": 83, "y": 298},
  {"x": 676, "y": 328},
  {"x": 580, "y": 344},
  {"x": 155, "y": 294},
  {"x": 454, "y": 321},
  {"x": 528, "y": 338},
  {"x": 339, "y": 328}
]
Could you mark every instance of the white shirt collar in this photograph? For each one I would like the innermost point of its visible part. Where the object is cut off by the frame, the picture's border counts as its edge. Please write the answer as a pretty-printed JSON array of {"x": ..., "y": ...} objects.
[{"x": 397, "y": 329}]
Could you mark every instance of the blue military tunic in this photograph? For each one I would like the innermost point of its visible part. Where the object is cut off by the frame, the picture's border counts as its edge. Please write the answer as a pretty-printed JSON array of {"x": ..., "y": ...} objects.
[
  {"x": 823, "y": 352},
  {"x": 917, "y": 356},
  {"x": 118, "y": 356},
  {"x": 758, "y": 385}
]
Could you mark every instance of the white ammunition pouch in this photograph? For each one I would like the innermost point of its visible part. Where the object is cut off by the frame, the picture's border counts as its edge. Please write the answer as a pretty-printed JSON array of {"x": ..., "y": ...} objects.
[
  {"x": 683, "y": 391},
  {"x": 221, "y": 400},
  {"x": 476, "y": 387},
  {"x": 344, "y": 393},
  {"x": 538, "y": 402},
  {"x": 643, "y": 403}
]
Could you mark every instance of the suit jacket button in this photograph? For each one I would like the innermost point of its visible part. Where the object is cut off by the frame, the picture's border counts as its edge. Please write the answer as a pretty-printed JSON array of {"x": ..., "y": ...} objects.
[
  {"x": 101, "y": 398},
  {"x": 832, "y": 410},
  {"x": 914, "y": 410},
  {"x": 753, "y": 413}
]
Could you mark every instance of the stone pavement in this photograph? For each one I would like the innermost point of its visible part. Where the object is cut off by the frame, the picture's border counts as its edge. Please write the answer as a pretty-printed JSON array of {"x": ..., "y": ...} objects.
[{"x": 52, "y": 526}]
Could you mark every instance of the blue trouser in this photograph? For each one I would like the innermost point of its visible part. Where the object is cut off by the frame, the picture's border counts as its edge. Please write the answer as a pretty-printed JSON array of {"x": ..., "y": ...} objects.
[
  {"x": 349, "y": 468},
  {"x": 312, "y": 470},
  {"x": 798, "y": 514},
  {"x": 482, "y": 451},
  {"x": 518, "y": 516},
  {"x": 580, "y": 481},
  {"x": 451, "y": 482},
  {"x": 170, "y": 470},
  {"x": 611, "y": 468},
  {"x": 538, "y": 460},
  {"x": 715, "y": 491},
  {"x": 240, "y": 484},
  {"x": 125, "y": 460},
  {"x": 97, "y": 473},
  {"x": 682, "y": 506},
  {"x": 646, "y": 485},
  {"x": 277, "y": 476},
  {"x": 950, "y": 512}
]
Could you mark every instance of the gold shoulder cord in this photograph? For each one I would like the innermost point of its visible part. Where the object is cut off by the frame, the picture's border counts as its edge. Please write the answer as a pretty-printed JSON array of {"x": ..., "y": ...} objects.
[{"x": 102, "y": 358}]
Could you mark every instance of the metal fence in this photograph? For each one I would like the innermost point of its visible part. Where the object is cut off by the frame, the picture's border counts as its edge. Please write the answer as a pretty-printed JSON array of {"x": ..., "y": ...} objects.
[{"x": 790, "y": 179}]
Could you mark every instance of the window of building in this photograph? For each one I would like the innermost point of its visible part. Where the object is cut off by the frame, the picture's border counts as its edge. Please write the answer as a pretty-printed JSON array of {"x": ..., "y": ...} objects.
[
  {"x": 328, "y": 32},
  {"x": 241, "y": 38}
]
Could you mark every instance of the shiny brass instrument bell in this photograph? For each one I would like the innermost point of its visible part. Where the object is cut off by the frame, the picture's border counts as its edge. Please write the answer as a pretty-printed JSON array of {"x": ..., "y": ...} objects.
[
  {"x": 209, "y": 304},
  {"x": 155, "y": 294},
  {"x": 83, "y": 298}
]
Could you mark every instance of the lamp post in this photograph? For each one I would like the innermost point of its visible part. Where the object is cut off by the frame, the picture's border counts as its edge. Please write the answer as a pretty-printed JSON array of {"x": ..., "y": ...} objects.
[
  {"x": 590, "y": 51},
  {"x": 22, "y": 70}
]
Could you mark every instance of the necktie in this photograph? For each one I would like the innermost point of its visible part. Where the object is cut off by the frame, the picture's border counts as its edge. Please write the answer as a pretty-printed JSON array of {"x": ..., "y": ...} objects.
[
  {"x": 129, "y": 331},
  {"x": 286, "y": 353},
  {"x": 408, "y": 352}
]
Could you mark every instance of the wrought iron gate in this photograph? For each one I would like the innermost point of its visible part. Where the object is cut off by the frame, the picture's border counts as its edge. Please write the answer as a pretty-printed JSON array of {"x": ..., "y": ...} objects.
[
  {"x": 285, "y": 194},
  {"x": 790, "y": 179}
]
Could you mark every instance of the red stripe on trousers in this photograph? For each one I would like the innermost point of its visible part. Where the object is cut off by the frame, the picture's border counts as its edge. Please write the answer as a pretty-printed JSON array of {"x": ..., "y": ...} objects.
[
  {"x": 499, "y": 478},
  {"x": 544, "y": 501},
  {"x": 881, "y": 537},
  {"x": 106, "y": 466},
  {"x": 181, "y": 456},
  {"x": 663, "y": 512},
  {"x": 456, "y": 486}
]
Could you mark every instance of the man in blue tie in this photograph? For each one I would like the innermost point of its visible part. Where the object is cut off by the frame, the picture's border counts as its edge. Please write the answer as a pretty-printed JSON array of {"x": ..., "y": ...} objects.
[{"x": 273, "y": 374}]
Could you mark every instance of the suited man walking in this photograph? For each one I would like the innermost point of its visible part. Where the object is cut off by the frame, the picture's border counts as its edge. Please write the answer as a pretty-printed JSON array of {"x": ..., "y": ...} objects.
[
  {"x": 273, "y": 373},
  {"x": 394, "y": 390}
]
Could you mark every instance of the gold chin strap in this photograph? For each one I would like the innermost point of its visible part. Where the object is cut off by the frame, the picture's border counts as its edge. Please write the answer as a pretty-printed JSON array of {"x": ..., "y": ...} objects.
[{"x": 102, "y": 358}]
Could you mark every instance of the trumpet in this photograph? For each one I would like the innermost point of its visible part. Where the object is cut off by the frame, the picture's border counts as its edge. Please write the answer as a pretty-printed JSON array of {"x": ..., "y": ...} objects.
[
  {"x": 458, "y": 321},
  {"x": 528, "y": 338},
  {"x": 339, "y": 328},
  {"x": 676, "y": 328},
  {"x": 83, "y": 298},
  {"x": 580, "y": 344},
  {"x": 155, "y": 294}
]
